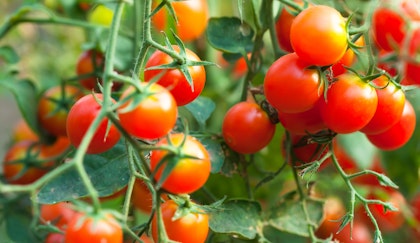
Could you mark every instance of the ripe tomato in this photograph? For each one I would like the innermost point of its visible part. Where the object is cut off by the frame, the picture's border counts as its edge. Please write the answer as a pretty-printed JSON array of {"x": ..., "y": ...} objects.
[
  {"x": 22, "y": 131},
  {"x": 333, "y": 211},
  {"x": 54, "y": 238},
  {"x": 415, "y": 207},
  {"x": 347, "y": 60},
  {"x": 57, "y": 148},
  {"x": 360, "y": 233},
  {"x": 23, "y": 163},
  {"x": 412, "y": 67},
  {"x": 303, "y": 122},
  {"x": 304, "y": 151},
  {"x": 389, "y": 221},
  {"x": 190, "y": 228},
  {"x": 174, "y": 80},
  {"x": 290, "y": 86},
  {"x": 189, "y": 174},
  {"x": 391, "y": 100},
  {"x": 90, "y": 65},
  {"x": 319, "y": 36},
  {"x": 192, "y": 18},
  {"x": 54, "y": 106},
  {"x": 153, "y": 117},
  {"x": 142, "y": 198},
  {"x": 79, "y": 119},
  {"x": 351, "y": 104},
  {"x": 388, "y": 28},
  {"x": 101, "y": 15},
  {"x": 283, "y": 25},
  {"x": 58, "y": 214},
  {"x": 247, "y": 128},
  {"x": 93, "y": 229},
  {"x": 399, "y": 134}
]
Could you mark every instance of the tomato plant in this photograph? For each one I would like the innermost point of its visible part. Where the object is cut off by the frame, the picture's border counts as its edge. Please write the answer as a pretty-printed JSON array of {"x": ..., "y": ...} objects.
[
  {"x": 80, "y": 118},
  {"x": 58, "y": 214},
  {"x": 247, "y": 128}
]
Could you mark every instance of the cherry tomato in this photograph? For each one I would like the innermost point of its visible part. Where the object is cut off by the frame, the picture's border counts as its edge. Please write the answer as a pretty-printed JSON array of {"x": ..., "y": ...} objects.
[
  {"x": 22, "y": 131},
  {"x": 153, "y": 117},
  {"x": 56, "y": 148},
  {"x": 189, "y": 174},
  {"x": 391, "y": 100},
  {"x": 190, "y": 228},
  {"x": 93, "y": 229},
  {"x": 192, "y": 18},
  {"x": 359, "y": 234},
  {"x": 101, "y": 15},
  {"x": 79, "y": 119},
  {"x": 333, "y": 211},
  {"x": 388, "y": 28},
  {"x": 415, "y": 207},
  {"x": 309, "y": 121},
  {"x": 283, "y": 25},
  {"x": 58, "y": 214},
  {"x": 399, "y": 134},
  {"x": 90, "y": 65},
  {"x": 247, "y": 128},
  {"x": 290, "y": 86},
  {"x": 319, "y": 36},
  {"x": 54, "y": 238},
  {"x": 174, "y": 80},
  {"x": 351, "y": 104},
  {"x": 347, "y": 60},
  {"x": 54, "y": 106},
  {"x": 412, "y": 67},
  {"x": 24, "y": 163},
  {"x": 142, "y": 198}
]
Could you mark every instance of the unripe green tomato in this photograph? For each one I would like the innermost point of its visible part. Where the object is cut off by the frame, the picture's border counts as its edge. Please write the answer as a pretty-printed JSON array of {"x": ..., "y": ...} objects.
[{"x": 101, "y": 15}]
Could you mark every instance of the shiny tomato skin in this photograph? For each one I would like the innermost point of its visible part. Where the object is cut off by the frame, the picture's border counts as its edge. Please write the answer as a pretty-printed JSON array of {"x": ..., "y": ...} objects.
[
  {"x": 399, "y": 134},
  {"x": 58, "y": 214},
  {"x": 283, "y": 25},
  {"x": 90, "y": 62},
  {"x": 174, "y": 80},
  {"x": 142, "y": 198},
  {"x": 318, "y": 35},
  {"x": 79, "y": 119},
  {"x": 247, "y": 128},
  {"x": 351, "y": 104},
  {"x": 93, "y": 229},
  {"x": 54, "y": 106},
  {"x": 301, "y": 123},
  {"x": 290, "y": 86},
  {"x": 30, "y": 152},
  {"x": 388, "y": 27},
  {"x": 391, "y": 100},
  {"x": 192, "y": 16},
  {"x": 190, "y": 228},
  {"x": 153, "y": 117},
  {"x": 189, "y": 174}
]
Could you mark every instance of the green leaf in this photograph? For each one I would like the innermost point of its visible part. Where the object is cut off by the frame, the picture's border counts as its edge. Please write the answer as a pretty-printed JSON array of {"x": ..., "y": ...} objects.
[
  {"x": 18, "y": 227},
  {"x": 9, "y": 55},
  {"x": 358, "y": 147},
  {"x": 290, "y": 216},
  {"x": 201, "y": 109},
  {"x": 108, "y": 172},
  {"x": 25, "y": 94},
  {"x": 240, "y": 217},
  {"x": 217, "y": 155},
  {"x": 230, "y": 34}
]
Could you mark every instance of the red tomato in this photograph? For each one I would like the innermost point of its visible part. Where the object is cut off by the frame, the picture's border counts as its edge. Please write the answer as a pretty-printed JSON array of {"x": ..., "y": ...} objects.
[
  {"x": 174, "y": 80},
  {"x": 319, "y": 36},
  {"x": 153, "y": 117},
  {"x": 189, "y": 174},
  {"x": 351, "y": 104},
  {"x": 415, "y": 207},
  {"x": 58, "y": 214},
  {"x": 60, "y": 146},
  {"x": 22, "y": 131},
  {"x": 290, "y": 86},
  {"x": 54, "y": 106},
  {"x": 79, "y": 119},
  {"x": 347, "y": 60},
  {"x": 54, "y": 238},
  {"x": 399, "y": 134},
  {"x": 192, "y": 18},
  {"x": 93, "y": 229},
  {"x": 91, "y": 64},
  {"x": 360, "y": 233},
  {"x": 333, "y": 211},
  {"x": 391, "y": 100},
  {"x": 304, "y": 151},
  {"x": 412, "y": 67},
  {"x": 388, "y": 28},
  {"x": 309, "y": 121},
  {"x": 190, "y": 228},
  {"x": 23, "y": 163},
  {"x": 283, "y": 25},
  {"x": 247, "y": 128},
  {"x": 142, "y": 198}
]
